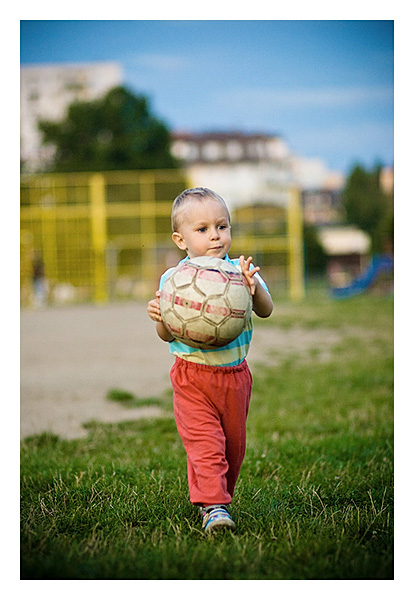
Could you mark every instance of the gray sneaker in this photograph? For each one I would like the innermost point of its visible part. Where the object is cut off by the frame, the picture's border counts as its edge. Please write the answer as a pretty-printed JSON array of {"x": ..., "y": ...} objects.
[{"x": 216, "y": 517}]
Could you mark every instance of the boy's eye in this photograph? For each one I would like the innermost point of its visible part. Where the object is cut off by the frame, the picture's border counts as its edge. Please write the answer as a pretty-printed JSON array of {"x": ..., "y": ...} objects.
[{"x": 202, "y": 229}]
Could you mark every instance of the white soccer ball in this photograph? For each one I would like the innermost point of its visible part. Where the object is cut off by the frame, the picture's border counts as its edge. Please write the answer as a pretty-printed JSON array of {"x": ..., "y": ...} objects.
[{"x": 205, "y": 302}]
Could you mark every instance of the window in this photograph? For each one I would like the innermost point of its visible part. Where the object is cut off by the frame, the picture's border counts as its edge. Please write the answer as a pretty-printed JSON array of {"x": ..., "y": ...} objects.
[{"x": 212, "y": 151}]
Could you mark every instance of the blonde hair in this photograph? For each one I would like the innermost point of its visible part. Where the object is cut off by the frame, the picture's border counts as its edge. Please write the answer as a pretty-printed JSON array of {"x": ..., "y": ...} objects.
[{"x": 198, "y": 193}]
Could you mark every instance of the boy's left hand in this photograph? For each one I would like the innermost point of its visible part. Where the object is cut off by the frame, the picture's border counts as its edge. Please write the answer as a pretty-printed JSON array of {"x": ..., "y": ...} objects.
[{"x": 249, "y": 274}]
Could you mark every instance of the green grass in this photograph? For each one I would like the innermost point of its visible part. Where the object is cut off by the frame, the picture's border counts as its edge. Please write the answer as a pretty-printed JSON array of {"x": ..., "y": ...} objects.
[
  {"x": 315, "y": 494},
  {"x": 129, "y": 400}
]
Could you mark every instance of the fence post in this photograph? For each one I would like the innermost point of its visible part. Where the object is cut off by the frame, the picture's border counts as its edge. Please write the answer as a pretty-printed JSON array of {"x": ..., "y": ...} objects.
[
  {"x": 98, "y": 231},
  {"x": 148, "y": 226},
  {"x": 295, "y": 243}
]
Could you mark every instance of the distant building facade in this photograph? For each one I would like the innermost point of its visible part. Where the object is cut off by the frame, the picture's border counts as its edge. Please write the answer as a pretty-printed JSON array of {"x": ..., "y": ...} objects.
[
  {"x": 46, "y": 91},
  {"x": 254, "y": 169},
  {"x": 387, "y": 180},
  {"x": 322, "y": 207},
  {"x": 245, "y": 168}
]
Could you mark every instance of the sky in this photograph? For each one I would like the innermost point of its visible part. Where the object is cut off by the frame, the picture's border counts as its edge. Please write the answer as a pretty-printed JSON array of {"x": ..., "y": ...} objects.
[{"x": 326, "y": 87}]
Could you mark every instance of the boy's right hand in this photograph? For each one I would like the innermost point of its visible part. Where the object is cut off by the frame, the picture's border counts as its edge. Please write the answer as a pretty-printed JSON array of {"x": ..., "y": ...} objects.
[{"x": 153, "y": 308}]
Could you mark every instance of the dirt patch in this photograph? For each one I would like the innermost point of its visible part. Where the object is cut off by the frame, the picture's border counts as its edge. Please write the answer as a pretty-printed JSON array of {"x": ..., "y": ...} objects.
[{"x": 72, "y": 356}]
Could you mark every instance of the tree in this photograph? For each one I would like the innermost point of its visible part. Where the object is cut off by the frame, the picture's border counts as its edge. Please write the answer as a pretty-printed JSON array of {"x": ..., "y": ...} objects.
[
  {"x": 366, "y": 204},
  {"x": 315, "y": 256},
  {"x": 115, "y": 132}
]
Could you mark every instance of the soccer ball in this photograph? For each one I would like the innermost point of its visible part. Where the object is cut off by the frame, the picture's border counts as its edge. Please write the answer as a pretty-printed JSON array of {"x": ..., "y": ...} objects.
[{"x": 205, "y": 302}]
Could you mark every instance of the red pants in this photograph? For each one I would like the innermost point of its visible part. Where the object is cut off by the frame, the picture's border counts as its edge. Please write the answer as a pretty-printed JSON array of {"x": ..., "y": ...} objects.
[{"x": 210, "y": 407}]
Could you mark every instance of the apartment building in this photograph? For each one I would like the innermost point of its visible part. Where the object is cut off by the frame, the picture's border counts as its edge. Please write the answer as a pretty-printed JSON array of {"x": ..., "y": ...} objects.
[
  {"x": 245, "y": 168},
  {"x": 46, "y": 91},
  {"x": 250, "y": 168}
]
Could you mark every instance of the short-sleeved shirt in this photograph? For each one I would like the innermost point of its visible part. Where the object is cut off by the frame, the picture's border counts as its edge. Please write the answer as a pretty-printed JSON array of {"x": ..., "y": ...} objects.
[{"x": 230, "y": 355}]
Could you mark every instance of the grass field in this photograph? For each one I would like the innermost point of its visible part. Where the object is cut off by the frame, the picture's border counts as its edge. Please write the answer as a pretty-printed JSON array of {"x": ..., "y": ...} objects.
[{"x": 315, "y": 495}]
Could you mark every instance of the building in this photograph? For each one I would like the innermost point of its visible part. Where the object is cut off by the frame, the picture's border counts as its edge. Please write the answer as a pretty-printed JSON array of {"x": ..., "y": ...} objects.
[
  {"x": 46, "y": 91},
  {"x": 387, "y": 180},
  {"x": 245, "y": 168},
  {"x": 312, "y": 174},
  {"x": 321, "y": 191},
  {"x": 257, "y": 168},
  {"x": 322, "y": 207},
  {"x": 348, "y": 249}
]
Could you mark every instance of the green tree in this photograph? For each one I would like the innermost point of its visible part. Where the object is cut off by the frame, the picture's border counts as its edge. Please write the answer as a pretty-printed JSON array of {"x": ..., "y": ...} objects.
[
  {"x": 115, "y": 132},
  {"x": 366, "y": 205},
  {"x": 315, "y": 256}
]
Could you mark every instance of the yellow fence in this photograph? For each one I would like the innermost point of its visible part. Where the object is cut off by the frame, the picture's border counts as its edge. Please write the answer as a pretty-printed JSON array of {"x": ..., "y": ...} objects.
[{"x": 99, "y": 236}]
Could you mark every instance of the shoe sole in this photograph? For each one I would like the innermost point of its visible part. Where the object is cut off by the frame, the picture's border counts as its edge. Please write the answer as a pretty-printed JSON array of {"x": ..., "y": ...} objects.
[{"x": 220, "y": 524}]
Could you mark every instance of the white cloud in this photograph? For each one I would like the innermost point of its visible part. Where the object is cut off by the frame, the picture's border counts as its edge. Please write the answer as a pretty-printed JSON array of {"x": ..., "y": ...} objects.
[{"x": 328, "y": 97}]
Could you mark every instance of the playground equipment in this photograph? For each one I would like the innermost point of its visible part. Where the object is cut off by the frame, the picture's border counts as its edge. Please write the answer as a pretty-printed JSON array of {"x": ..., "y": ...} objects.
[{"x": 381, "y": 264}]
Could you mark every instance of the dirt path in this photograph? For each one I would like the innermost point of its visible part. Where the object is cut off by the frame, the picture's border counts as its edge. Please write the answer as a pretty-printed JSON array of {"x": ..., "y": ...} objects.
[{"x": 71, "y": 357}]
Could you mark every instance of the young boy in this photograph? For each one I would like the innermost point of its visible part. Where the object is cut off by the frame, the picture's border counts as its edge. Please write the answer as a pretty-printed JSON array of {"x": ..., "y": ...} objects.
[{"x": 211, "y": 388}]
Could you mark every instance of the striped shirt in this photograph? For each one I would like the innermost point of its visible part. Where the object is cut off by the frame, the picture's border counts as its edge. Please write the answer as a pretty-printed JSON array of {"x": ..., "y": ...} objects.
[{"x": 226, "y": 356}]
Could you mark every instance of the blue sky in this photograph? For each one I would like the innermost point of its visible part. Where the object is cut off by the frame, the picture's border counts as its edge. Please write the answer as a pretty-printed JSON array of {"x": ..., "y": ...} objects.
[{"x": 325, "y": 86}]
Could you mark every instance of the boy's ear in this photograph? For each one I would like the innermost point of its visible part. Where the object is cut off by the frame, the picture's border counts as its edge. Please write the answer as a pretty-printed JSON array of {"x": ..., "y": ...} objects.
[{"x": 178, "y": 240}]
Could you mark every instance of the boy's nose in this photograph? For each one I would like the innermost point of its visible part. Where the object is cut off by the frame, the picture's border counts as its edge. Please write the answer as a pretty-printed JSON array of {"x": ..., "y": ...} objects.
[{"x": 215, "y": 234}]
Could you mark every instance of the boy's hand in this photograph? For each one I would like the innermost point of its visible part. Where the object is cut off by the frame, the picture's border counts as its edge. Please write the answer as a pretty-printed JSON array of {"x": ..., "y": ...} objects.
[
  {"x": 153, "y": 308},
  {"x": 154, "y": 313},
  {"x": 249, "y": 275}
]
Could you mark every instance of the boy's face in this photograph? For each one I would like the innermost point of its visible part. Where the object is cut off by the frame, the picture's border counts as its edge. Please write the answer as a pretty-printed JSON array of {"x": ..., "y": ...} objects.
[{"x": 204, "y": 229}]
